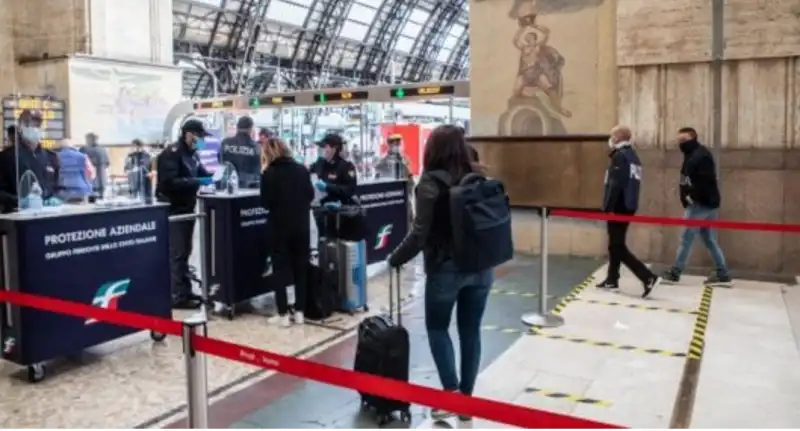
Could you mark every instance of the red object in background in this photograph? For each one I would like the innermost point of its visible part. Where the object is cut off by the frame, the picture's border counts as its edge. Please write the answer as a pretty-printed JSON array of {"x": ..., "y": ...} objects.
[{"x": 414, "y": 137}]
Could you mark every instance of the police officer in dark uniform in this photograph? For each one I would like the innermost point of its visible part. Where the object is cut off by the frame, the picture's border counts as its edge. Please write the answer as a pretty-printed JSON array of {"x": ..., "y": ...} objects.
[
  {"x": 623, "y": 179},
  {"x": 27, "y": 155},
  {"x": 243, "y": 153},
  {"x": 179, "y": 176},
  {"x": 335, "y": 176}
]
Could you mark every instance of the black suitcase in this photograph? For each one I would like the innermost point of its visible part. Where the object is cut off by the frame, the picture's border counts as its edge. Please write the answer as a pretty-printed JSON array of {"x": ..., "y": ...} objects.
[
  {"x": 322, "y": 296},
  {"x": 383, "y": 350}
]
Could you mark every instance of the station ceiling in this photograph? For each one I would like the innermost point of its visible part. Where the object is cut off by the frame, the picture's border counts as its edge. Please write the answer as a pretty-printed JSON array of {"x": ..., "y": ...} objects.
[{"x": 256, "y": 46}]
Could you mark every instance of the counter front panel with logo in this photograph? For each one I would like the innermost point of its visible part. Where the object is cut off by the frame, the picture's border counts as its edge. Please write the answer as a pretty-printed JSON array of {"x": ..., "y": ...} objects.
[{"x": 110, "y": 258}]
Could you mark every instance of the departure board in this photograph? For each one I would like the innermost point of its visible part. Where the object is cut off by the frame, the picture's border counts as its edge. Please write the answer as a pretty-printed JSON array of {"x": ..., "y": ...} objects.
[
  {"x": 435, "y": 90},
  {"x": 214, "y": 104},
  {"x": 341, "y": 96},
  {"x": 257, "y": 102},
  {"x": 54, "y": 116}
]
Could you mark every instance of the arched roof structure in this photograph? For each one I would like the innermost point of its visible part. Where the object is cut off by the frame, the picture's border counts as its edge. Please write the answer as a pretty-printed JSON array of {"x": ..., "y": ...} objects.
[{"x": 263, "y": 45}]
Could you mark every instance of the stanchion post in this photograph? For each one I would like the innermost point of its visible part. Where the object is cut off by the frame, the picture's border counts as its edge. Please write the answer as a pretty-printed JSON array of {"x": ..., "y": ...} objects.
[
  {"x": 196, "y": 377},
  {"x": 202, "y": 220},
  {"x": 542, "y": 318}
]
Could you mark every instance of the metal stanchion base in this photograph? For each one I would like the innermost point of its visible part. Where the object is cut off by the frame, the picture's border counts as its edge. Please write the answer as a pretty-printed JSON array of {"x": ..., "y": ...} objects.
[{"x": 547, "y": 320}]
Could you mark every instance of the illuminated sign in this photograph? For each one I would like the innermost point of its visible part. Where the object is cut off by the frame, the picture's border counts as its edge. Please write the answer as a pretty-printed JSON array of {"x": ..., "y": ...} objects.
[
  {"x": 54, "y": 116},
  {"x": 256, "y": 102},
  {"x": 343, "y": 96},
  {"x": 438, "y": 90},
  {"x": 214, "y": 104}
]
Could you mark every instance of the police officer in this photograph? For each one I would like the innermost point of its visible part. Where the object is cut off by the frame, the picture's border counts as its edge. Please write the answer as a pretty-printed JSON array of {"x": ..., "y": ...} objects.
[
  {"x": 179, "y": 176},
  {"x": 623, "y": 178},
  {"x": 243, "y": 153},
  {"x": 335, "y": 176},
  {"x": 137, "y": 166},
  {"x": 394, "y": 164},
  {"x": 27, "y": 156}
]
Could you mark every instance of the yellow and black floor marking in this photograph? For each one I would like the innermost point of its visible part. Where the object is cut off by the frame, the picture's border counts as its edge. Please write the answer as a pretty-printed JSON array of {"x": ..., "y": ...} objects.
[
  {"x": 698, "y": 342},
  {"x": 625, "y": 347},
  {"x": 572, "y": 295},
  {"x": 638, "y": 306},
  {"x": 568, "y": 397},
  {"x": 508, "y": 292}
]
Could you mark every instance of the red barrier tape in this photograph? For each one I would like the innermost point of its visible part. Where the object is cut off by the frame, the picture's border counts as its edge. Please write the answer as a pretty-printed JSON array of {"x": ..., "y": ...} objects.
[
  {"x": 450, "y": 401},
  {"x": 76, "y": 309},
  {"x": 677, "y": 221}
]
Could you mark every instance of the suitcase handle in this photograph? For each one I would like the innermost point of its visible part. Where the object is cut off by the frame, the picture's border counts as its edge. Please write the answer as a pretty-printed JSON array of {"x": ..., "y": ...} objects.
[{"x": 395, "y": 272}]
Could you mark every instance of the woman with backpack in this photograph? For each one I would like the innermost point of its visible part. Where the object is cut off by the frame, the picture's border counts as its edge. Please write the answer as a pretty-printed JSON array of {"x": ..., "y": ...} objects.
[{"x": 448, "y": 285}]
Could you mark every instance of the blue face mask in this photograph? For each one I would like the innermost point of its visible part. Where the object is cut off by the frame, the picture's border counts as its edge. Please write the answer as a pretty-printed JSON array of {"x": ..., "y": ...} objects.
[
  {"x": 199, "y": 143},
  {"x": 31, "y": 134}
]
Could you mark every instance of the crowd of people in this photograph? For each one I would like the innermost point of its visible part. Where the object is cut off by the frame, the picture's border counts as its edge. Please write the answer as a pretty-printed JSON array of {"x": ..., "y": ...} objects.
[{"x": 287, "y": 189}]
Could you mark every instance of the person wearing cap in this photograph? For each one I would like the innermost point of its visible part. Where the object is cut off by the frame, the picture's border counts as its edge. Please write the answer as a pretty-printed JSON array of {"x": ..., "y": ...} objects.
[
  {"x": 335, "y": 175},
  {"x": 28, "y": 156},
  {"x": 394, "y": 164},
  {"x": 243, "y": 153},
  {"x": 179, "y": 176},
  {"x": 99, "y": 157},
  {"x": 137, "y": 167}
]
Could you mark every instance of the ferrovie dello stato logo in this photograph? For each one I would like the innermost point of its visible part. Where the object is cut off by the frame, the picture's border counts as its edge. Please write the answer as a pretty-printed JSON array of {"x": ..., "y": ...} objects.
[
  {"x": 382, "y": 239},
  {"x": 108, "y": 296}
]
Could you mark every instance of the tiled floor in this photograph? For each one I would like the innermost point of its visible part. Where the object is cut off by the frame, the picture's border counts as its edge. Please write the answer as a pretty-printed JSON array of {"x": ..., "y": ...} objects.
[
  {"x": 749, "y": 372},
  {"x": 274, "y": 402}
]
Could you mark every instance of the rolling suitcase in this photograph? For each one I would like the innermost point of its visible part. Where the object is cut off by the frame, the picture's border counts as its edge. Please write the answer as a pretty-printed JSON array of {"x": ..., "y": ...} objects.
[
  {"x": 383, "y": 350},
  {"x": 346, "y": 263}
]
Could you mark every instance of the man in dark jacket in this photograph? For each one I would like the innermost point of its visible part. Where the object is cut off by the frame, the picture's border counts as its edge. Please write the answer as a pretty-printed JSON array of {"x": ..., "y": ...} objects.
[
  {"x": 179, "y": 176},
  {"x": 699, "y": 195},
  {"x": 623, "y": 178},
  {"x": 243, "y": 153},
  {"x": 27, "y": 156},
  {"x": 98, "y": 155},
  {"x": 137, "y": 167}
]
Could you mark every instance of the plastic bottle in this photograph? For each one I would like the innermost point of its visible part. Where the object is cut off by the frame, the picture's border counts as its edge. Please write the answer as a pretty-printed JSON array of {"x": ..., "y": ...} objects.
[
  {"x": 35, "y": 201},
  {"x": 233, "y": 182}
]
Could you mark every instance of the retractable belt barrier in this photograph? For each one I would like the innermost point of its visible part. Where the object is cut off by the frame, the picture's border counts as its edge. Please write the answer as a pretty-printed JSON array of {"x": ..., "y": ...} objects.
[{"x": 340, "y": 377}]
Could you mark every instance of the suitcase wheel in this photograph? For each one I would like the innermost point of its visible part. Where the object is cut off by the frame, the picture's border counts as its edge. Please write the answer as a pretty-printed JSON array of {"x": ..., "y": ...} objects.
[
  {"x": 405, "y": 416},
  {"x": 366, "y": 308},
  {"x": 157, "y": 336},
  {"x": 384, "y": 420}
]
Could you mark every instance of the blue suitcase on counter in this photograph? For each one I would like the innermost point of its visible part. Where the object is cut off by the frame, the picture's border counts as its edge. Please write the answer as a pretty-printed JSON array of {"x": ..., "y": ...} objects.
[{"x": 346, "y": 262}]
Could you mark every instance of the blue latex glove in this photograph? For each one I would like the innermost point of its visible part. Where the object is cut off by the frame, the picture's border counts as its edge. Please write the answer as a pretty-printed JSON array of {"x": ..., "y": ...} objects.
[
  {"x": 333, "y": 205},
  {"x": 52, "y": 202},
  {"x": 321, "y": 185},
  {"x": 204, "y": 181}
]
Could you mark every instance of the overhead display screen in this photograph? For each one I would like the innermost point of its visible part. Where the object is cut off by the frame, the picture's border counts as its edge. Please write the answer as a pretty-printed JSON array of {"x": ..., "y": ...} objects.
[
  {"x": 257, "y": 102},
  {"x": 436, "y": 90},
  {"x": 342, "y": 96},
  {"x": 214, "y": 104},
  {"x": 54, "y": 116}
]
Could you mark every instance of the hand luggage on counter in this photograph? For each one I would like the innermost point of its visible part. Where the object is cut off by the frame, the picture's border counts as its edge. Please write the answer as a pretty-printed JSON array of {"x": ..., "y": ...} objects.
[
  {"x": 383, "y": 350},
  {"x": 346, "y": 263}
]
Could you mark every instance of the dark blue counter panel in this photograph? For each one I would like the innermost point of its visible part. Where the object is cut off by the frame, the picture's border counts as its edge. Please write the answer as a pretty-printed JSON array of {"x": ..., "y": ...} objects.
[
  {"x": 112, "y": 258},
  {"x": 386, "y": 205},
  {"x": 236, "y": 246}
]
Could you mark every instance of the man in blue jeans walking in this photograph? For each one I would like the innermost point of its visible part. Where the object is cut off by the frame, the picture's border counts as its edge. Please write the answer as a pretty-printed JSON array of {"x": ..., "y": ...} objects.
[{"x": 699, "y": 193}]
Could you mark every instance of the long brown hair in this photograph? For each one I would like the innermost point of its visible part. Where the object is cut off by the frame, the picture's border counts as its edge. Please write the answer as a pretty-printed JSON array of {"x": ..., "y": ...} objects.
[
  {"x": 273, "y": 149},
  {"x": 447, "y": 150}
]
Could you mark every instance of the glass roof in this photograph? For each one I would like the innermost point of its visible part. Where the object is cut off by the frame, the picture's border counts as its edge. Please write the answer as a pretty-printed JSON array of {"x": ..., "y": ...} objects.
[{"x": 316, "y": 43}]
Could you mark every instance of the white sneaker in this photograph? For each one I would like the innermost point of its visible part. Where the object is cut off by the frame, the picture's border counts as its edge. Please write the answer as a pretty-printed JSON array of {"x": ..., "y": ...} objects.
[
  {"x": 283, "y": 321},
  {"x": 298, "y": 318}
]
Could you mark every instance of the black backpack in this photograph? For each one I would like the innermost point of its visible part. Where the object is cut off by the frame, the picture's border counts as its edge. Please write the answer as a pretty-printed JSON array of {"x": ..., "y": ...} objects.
[{"x": 480, "y": 217}]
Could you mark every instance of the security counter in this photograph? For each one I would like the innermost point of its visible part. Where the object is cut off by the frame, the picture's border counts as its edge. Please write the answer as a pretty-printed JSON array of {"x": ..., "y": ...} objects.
[
  {"x": 111, "y": 257},
  {"x": 235, "y": 251},
  {"x": 386, "y": 203}
]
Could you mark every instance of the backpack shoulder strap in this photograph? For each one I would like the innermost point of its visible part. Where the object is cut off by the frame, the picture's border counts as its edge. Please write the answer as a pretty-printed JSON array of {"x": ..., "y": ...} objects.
[{"x": 470, "y": 178}]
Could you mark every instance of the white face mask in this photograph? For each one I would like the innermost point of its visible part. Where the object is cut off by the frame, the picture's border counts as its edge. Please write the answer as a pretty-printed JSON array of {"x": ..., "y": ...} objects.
[{"x": 611, "y": 143}]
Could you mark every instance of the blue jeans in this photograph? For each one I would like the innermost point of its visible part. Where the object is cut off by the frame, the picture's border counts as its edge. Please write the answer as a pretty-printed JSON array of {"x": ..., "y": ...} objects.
[
  {"x": 467, "y": 291},
  {"x": 707, "y": 235}
]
